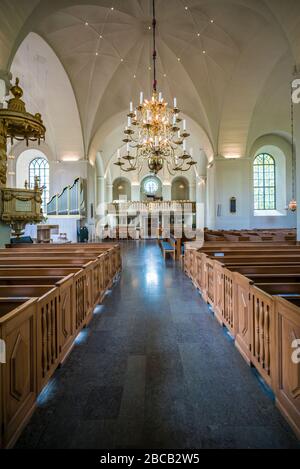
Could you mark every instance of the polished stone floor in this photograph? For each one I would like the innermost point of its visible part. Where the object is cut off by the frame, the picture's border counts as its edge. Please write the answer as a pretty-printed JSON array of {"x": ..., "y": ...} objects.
[{"x": 155, "y": 370}]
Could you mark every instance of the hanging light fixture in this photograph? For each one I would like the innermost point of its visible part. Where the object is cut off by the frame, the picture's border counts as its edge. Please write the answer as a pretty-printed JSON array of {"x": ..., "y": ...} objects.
[
  {"x": 293, "y": 203},
  {"x": 154, "y": 132}
]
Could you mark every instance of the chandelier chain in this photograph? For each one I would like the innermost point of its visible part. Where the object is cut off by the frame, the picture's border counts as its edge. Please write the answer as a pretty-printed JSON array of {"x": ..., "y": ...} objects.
[
  {"x": 154, "y": 130},
  {"x": 154, "y": 56}
]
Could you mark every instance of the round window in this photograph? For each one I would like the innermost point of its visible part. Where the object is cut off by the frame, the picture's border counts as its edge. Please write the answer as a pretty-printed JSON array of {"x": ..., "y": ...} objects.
[{"x": 151, "y": 186}]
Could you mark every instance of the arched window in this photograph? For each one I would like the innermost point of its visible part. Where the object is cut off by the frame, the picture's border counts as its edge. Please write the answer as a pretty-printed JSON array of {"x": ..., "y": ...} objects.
[
  {"x": 264, "y": 182},
  {"x": 40, "y": 167},
  {"x": 151, "y": 185}
]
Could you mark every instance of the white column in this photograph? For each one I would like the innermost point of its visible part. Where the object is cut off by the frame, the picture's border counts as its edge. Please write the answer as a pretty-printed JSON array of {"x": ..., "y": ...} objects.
[
  {"x": 167, "y": 190},
  {"x": 100, "y": 209},
  {"x": 109, "y": 193},
  {"x": 5, "y": 78},
  {"x": 135, "y": 192},
  {"x": 210, "y": 197},
  {"x": 201, "y": 202},
  {"x": 297, "y": 169},
  {"x": 192, "y": 195}
]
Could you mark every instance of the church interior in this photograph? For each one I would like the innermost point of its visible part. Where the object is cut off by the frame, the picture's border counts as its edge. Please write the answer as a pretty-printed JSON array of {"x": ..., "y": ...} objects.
[{"x": 149, "y": 229}]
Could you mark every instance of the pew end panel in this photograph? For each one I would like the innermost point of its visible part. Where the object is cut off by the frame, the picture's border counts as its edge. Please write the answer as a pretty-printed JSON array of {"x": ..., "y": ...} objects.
[
  {"x": 47, "y": 336},
  {"x": 67, "y": 319},
  {"x": 39, "y": 320},
  {"x": 287, "y": 375},
  {"x": 229, "y": 318},
  {"x": 208, "y": 279},
  {"x": 219, "y": 291},
  {"x": 18, "y": 386},
  {"x": 80, "y": 299},
  {"x": 242, "y": 312},
  {"x": 262, "y": 327},
  {"x": 199, "y": 270},
  {"x": 187, "y": 261}
]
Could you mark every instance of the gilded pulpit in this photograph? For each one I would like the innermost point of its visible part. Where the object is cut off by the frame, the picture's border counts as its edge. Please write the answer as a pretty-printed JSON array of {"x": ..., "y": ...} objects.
[{"x": 19, "y": 206}]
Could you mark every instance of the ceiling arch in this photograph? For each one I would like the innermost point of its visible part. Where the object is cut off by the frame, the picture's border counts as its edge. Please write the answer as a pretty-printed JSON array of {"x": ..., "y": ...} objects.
[
  {"x": 216, "y": 56},
  {"x": 48, "y": 90}
]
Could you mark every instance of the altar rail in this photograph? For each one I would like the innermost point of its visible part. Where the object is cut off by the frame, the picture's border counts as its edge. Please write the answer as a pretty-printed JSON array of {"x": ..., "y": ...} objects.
[
  {"x": 71, "y": 201},
  {"x": 257, "y": 298},
  {"x": 41, "y": 317}
]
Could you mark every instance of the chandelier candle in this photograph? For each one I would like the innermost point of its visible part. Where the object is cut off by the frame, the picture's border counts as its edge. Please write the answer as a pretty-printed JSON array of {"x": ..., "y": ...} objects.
[{"x": 153, "y": 131}]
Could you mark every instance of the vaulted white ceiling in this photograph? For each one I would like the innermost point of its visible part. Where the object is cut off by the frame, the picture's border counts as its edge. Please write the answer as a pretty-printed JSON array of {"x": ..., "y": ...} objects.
[{"x": 229, "y": 62}]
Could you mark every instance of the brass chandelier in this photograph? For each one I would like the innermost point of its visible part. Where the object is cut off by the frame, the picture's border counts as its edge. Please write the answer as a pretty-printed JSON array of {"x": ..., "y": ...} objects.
[{"x": 154, "y": 132}]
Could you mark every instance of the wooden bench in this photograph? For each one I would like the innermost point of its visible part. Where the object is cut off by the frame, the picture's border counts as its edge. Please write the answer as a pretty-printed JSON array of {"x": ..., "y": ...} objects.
[
  {"x": 256, "y": 295},
  {"x": 257, "y": 236},
  {"x": 46, "y": 298},
  {"x": 167, "y": 248}
]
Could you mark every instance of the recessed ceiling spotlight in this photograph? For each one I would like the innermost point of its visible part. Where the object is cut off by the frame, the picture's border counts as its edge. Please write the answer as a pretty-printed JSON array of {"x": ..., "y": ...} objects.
[
  {"x": 186, "y": 7},
  {"x": 204, "y": 52},
  {"x": 149, "y": 69},
  {"x": 149, "y": 27},
  {"x": 198, "y": 34},
  {"x": 112, "y": 8},
  {"x": 86, "y": 23},
  {"x": 101, "y": 37},
  {"x": 97, "y": 54},
  {"x": 212, "y": 21},
  {"x": 122, "y": 60},
  {"x": 134, "y": 76},
  {"x": 179, "y": 59},
  {"x": 165, "y": 75}
]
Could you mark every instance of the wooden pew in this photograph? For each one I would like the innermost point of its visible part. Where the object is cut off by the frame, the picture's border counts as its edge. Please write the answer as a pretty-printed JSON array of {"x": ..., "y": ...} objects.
[
  {"x": 287, "y": 375},
  {"x": 40, "y": 271},
  {"x": 32, "y": 280},
  {"x": 259, "y": 304},
  {"x": 18, "y": 388},
  {"x": 45, "y": 300}
]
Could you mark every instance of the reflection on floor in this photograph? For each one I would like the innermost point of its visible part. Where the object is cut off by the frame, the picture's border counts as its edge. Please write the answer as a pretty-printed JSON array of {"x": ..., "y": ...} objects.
[{"x": 155, "y": 370}]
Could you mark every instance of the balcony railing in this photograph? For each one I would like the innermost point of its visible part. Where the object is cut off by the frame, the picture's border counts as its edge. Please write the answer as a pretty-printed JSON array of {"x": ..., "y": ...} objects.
[{"x": 163, "y": 206}]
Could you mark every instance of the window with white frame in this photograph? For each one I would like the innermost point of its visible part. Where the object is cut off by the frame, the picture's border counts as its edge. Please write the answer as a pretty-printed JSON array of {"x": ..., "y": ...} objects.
[
  {"x": 39, "y": 167},
  {"x": 264, "y": 182},
  {"x": 151, "y": 185}
]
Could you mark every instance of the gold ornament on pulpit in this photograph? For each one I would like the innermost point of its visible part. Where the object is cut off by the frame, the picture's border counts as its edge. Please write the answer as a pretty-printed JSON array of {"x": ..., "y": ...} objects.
[{"x": 19, "y": 206}]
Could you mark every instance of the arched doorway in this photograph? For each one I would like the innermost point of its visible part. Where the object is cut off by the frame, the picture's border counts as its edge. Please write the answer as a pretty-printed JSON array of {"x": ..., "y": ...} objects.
[
  {"x": 121, "y": 189},
  {"x": 180, "y": 189}
]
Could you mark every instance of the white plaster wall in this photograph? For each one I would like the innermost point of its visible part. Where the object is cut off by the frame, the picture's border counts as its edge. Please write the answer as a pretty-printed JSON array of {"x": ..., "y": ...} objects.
[
  {"x": 232, "y": 180},
  {"x": 22, "y": 165},
  {"x": 63, "y": 174},
  {"x": 47, "y": 89}
]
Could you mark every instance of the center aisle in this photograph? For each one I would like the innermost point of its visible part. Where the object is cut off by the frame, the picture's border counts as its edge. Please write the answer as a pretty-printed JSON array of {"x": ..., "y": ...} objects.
[{"x": 155, "y": 370}]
